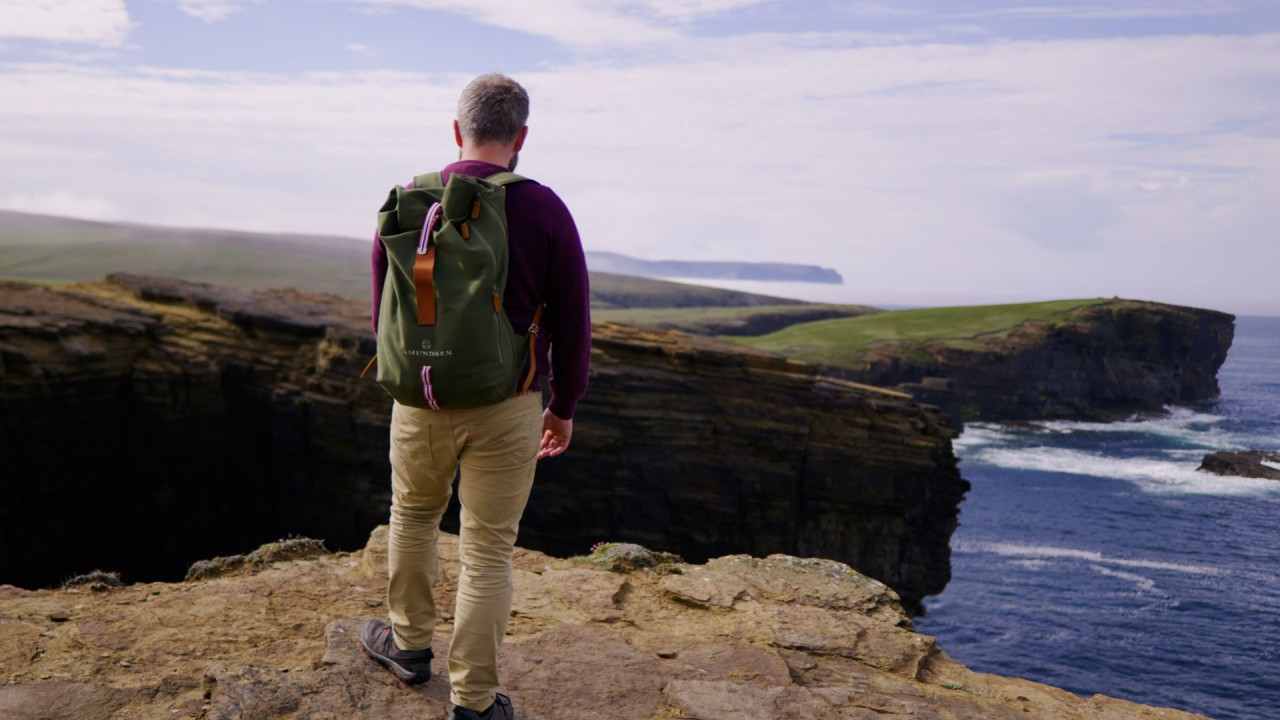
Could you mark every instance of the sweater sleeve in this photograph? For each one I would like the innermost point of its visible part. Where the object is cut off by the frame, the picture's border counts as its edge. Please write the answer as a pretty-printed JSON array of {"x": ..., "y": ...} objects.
[
  {"x": 567, "y": 318},
  {"x": 378, "y": 261}
]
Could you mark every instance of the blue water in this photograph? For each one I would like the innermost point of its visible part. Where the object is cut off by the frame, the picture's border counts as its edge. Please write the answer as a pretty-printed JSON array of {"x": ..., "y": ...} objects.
[{"x": 1096, "y": 558}]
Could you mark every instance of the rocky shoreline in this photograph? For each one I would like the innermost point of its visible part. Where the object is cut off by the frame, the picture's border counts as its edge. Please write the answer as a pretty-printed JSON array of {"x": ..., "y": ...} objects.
[{"x": 778, "y": 638}]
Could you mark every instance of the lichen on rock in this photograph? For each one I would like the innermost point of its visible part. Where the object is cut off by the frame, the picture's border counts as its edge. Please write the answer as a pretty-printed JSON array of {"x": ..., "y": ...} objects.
[
  {"x": 95, "y": 580},
  {"x": 295, "y": 548},
  {"x": 628, "y": 557}
]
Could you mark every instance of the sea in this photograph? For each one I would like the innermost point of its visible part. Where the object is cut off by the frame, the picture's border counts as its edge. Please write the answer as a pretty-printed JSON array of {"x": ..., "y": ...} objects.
[{"x": 1097, "y": 558}]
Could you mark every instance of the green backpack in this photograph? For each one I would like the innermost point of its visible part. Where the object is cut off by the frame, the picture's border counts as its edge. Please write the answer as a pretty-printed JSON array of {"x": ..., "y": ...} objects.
[{"x": 444, "y": 339}]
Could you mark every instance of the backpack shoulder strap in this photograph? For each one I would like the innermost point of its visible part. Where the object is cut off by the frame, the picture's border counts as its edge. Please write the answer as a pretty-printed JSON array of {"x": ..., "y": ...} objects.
[
  {"x": 428, "y": 180},
  {"x": 505, "y": 178}
]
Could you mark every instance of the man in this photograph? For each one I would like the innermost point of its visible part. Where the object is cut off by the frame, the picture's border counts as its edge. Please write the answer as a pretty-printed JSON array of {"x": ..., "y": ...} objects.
[{"x": 497, "y": 446}]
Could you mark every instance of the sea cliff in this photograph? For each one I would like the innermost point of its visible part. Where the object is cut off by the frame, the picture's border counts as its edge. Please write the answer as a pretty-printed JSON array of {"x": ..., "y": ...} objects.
[
  {"x": 149, "y": 422},
  {"x": 1103, "y": 362}
]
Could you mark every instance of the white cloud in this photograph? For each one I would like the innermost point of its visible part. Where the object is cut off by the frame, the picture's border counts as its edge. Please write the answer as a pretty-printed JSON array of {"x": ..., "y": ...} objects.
[
  {"x": 610, "y": 24},
  {"x": 999, "y": 171},
  {"x": 690, "y": 9},
  {"x": 362, "y": 49},
  {"x": 1100, "y": 11},
  {"x": 88, "y": 22},
  {"x": 212, "y": 11}
]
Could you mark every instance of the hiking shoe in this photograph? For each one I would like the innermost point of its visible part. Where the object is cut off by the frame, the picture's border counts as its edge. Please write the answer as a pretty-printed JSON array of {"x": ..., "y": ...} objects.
[
  {"x": 411, "y": 666},
  {"x": 499, "y": 710}
]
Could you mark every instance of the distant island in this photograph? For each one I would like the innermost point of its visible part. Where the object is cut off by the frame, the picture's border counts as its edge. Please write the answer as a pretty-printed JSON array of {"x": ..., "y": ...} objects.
[{"x": 771, "y": 272}]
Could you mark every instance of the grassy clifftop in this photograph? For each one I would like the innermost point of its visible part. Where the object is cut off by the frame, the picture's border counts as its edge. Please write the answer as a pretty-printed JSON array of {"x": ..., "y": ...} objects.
[
  {"x": 39, "y": 248},
  {"x": 845, "y": 342},
  {"x": 1078, "y": 359}
]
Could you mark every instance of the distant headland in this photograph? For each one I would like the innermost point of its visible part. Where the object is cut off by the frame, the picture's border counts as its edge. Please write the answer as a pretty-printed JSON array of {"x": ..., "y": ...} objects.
[{"x": 708, "y": 270}]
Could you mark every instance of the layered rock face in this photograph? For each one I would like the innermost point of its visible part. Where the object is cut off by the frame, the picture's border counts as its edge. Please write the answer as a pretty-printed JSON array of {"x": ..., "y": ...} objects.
[
  {"x": 1108, "y": 362},
  {"x": 150, "y": 422},
  {"x": 739, "y": 638}
]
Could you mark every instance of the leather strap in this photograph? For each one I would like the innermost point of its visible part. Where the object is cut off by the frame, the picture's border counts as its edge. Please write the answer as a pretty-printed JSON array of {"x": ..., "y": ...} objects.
[
  {"x": 424, "y": 270},
  {"x": 533, "y": 349},
  {"x": 424, "y": 281}
]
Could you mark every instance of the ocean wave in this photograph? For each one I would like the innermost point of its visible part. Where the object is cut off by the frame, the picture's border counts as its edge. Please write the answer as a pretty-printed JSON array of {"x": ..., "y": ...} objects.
[
  {"x": 1141, "y": 583},
  {"x": 1046, "y": 553},
  {"x": 983, "y": 434},
  {"x": 1176, "y": 421},
  {"x": 1186, "y": 426},
  {"x": 1149, "y": 474}
]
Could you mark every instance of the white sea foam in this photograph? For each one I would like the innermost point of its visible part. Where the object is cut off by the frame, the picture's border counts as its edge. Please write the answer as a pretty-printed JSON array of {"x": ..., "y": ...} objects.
[
  {"x": 1048, "y": 553},
  {"x": 1149, "y": 474},
  {"x": 980, "y": 435},
  {"x": 1164, "y": 470},
  {"x": 1141, "y": 582},
  {"x": 1187, "y": 426},
  {"x": 1178, "y": 423},
  {"x": 1273, "y": 466}
]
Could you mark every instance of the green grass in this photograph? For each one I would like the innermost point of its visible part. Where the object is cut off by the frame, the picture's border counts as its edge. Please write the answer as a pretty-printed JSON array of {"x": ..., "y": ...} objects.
[
  {"x": 47, "y": 249},
  {"x": 612, "y": 291},
  {"x": 726, "y": 320},
  {"x": 322, "y": 269},
  {"x": 686, "y": 315},
  {"x": 843, "y": 341},
  {"x": 39, "y": 248}
]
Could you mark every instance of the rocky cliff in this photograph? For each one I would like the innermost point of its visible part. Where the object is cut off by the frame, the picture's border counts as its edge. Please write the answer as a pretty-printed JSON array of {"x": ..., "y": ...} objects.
[
  {"x": 149, "y": 422},
  {"x": 738, "y": 638},
  {"x": 1104, "y": 363}
]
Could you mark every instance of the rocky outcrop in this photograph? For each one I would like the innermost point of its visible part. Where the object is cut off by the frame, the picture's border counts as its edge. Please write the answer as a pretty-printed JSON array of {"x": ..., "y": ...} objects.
[
  {"x": 1105, "y": 363},
  {"x": 1244, "y": 463},
  {"x": 149, "y": 422},
  {"x": 741, "y": 638}
]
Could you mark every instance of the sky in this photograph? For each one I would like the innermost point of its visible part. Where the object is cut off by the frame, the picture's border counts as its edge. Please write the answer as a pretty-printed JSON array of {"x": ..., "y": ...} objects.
[{"x": 934, "y": 152}]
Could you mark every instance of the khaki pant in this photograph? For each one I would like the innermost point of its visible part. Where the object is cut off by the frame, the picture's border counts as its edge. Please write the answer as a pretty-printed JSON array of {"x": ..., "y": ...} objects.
[{"x": 497, "y": 448}]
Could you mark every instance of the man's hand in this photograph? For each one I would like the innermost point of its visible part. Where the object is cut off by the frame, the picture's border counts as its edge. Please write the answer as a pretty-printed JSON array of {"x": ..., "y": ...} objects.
[{"x": 555, "y": 434}]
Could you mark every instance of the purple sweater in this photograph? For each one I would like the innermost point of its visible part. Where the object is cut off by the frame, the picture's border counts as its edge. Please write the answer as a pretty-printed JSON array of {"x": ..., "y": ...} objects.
[{"x": 546, "y": 264}]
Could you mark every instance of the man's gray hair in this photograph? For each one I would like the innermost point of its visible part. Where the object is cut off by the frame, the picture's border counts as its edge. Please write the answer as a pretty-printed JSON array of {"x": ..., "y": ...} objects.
[{"x": 492, "y": 107}]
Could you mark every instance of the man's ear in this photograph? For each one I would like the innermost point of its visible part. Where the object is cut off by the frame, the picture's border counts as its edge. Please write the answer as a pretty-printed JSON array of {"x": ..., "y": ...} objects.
[
  {"x": 457, "y": 133},
  {"x": 520, "y": 136}
]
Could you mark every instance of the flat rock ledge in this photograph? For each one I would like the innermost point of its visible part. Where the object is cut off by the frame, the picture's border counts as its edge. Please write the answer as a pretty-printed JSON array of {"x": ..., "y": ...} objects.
[{"x": 737, "y": 638}]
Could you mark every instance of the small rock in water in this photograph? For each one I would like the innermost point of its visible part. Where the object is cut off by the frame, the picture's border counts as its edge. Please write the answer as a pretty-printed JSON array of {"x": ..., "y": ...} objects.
[{"x": 1244, "y": 463}]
